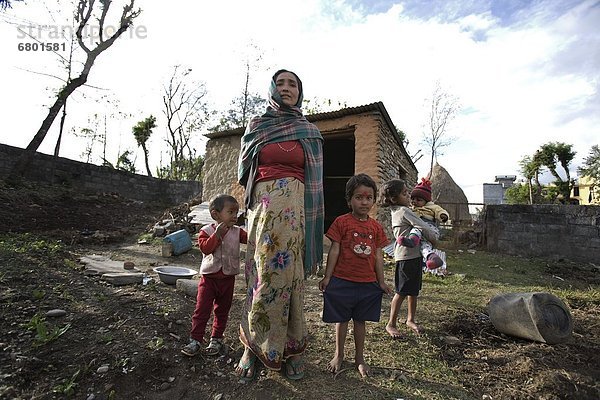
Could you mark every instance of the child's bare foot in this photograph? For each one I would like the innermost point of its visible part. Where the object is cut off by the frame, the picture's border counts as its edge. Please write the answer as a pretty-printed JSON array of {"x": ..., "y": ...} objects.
[
  {"x": 416, "y": 329},
  {"x": 393, "y": 332},
  {"x": 335, "y": 365},
  {"x": 363, "y": 369}
]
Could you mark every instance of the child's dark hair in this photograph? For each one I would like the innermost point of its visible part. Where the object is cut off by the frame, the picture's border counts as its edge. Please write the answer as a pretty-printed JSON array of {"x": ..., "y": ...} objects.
[
  {"x": 218, "y": 202},
  {"x": 358, "y": 180},
  {"x": 390, "y": 190}
]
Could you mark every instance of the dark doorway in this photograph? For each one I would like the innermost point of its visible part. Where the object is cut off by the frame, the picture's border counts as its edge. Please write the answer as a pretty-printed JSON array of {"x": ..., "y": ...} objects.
[{"x": 338, "y": 167}]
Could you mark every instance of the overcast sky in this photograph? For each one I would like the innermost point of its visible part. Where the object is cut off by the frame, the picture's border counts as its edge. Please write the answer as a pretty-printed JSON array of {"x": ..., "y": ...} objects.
[{"x": 526, "y": 72}]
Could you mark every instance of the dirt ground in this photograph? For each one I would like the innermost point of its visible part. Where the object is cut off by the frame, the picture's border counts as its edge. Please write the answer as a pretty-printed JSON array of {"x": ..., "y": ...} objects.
[{"x": 123, "y": 342}]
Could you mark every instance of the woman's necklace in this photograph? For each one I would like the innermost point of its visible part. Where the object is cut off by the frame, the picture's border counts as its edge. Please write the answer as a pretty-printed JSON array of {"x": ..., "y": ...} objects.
[{"x": 288, "y": 150}]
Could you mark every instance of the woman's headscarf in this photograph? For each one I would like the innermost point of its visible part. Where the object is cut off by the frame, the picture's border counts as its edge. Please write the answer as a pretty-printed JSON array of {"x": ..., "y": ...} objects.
[{"x": 281, "y": 123}]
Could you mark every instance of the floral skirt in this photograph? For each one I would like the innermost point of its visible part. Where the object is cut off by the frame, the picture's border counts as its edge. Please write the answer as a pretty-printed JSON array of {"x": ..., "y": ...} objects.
[{"x": 273, "y": 324}]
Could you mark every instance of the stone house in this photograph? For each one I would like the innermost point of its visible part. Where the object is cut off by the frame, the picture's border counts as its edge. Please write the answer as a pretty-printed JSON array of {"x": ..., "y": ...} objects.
[{"x": 356, "y": 140}]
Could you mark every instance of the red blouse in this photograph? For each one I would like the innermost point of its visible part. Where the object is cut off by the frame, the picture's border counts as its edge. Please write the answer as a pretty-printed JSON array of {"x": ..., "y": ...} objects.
[{"x": 281, "y": 160}]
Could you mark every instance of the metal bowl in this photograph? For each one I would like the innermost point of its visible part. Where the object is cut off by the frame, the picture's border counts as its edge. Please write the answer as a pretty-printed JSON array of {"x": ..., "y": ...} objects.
[{"x": 170, "y": 274}]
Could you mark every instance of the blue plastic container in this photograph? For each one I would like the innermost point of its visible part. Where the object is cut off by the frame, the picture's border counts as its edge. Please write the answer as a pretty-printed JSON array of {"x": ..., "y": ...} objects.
[{"x": 177, "y": 243}]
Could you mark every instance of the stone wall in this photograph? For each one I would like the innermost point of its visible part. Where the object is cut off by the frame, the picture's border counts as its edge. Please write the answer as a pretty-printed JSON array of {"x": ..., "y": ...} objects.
[
  {"x": 97, "y": 179},
  {"x": 554, "y": 231},
  {"x": 392, "y": 164}
]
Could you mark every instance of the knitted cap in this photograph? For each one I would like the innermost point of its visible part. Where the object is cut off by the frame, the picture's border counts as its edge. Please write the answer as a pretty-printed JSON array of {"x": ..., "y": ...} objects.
[{"x": 422, "y": 190}]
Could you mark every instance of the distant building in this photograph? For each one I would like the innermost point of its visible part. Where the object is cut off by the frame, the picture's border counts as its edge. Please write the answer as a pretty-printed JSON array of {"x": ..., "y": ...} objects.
[
  {"x": 494, "y": 193},
  {"x": 583, "y": 191}
]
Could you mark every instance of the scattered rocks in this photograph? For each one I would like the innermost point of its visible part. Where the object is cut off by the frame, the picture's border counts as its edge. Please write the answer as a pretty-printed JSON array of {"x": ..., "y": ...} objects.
[
  {"x": 123, "y": 278},
  {"x": 103, "y": 369},
  {"x": 56, "y": 313},
  {"x": 188, "y": 286},
  {"x": 451, "y": 340}
]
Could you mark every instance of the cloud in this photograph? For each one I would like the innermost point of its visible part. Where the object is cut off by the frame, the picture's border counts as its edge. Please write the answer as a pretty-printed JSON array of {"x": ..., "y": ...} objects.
[{"x": 526, "y": 72}]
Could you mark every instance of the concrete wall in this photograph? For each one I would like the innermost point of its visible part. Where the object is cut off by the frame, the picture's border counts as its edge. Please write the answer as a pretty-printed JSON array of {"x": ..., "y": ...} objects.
[
  {"x": 97, "y": 179},
  {"x": 554, "y": 231},
  {"x": 493, "y": 193}
]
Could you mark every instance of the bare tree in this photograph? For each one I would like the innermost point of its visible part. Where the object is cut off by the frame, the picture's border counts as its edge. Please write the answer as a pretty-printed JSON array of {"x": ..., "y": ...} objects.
[
  {"x": 247, "y": 104},
  {"x": 92, "y": 136},
  {"x": 69, "y": 67},
  {"x": 83, "y": 15},
  {"x": 444, "y": 108},
  {"x": 317, "y": 105},
  {"x": 186, "y": 111}
]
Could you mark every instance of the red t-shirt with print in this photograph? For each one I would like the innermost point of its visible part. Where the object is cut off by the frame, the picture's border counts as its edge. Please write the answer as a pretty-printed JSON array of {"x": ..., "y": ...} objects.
[{"x": 359, "y": 241}]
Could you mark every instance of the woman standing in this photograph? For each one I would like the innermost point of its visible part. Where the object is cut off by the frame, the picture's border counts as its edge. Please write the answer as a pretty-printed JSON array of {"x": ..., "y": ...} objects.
[{"x": 281, "y": 167}]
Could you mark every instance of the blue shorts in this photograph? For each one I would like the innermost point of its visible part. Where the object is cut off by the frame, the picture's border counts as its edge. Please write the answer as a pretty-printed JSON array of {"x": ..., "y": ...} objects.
[
  {"x": 409, "y": 277},
  {"x": 345, "y": 300}
]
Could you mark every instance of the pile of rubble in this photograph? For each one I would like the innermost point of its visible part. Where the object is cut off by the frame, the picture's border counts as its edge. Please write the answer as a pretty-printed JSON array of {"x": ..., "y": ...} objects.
[{"x": 173, "y": 220}]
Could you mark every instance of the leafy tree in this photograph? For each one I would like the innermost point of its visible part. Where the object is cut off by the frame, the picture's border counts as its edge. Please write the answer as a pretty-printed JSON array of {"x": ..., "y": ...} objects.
[
  {"x": 591, "y": 168},
  {"x": 443, "y": 109},
  {"x": 551, "y": 154},
  {"x": 189, "y": 169},
  {"x": 591, "y": 164},
  {"x": 124, "y": 163},
  {"x": 83, "y": 15},
  {"x": 142, "y": 131},
  {"x": 531, "y": 169},
  {"x": 187, "y": 112},
  {"x": 518, "y": 194}
]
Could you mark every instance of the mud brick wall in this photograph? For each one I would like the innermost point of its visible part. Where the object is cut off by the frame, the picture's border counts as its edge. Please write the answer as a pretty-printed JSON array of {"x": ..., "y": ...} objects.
[
  {"x": 220, "y": 168},
  {"x": 552, "y": 231},
  {"x": 97, "y": 179}
]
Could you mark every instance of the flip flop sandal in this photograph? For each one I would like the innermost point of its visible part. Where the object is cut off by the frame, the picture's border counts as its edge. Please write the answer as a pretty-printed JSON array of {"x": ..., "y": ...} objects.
[
  {"x": 247, "y": 367},
  {"x": 295, "y": 366}
]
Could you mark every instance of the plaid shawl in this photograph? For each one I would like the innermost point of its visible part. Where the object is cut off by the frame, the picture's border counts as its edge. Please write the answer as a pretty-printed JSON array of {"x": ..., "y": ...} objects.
[{"x": 278, "y": 124}]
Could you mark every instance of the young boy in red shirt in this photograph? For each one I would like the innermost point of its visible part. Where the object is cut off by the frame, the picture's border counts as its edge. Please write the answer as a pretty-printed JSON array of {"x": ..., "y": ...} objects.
[{"x": 354, "y": 284}]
